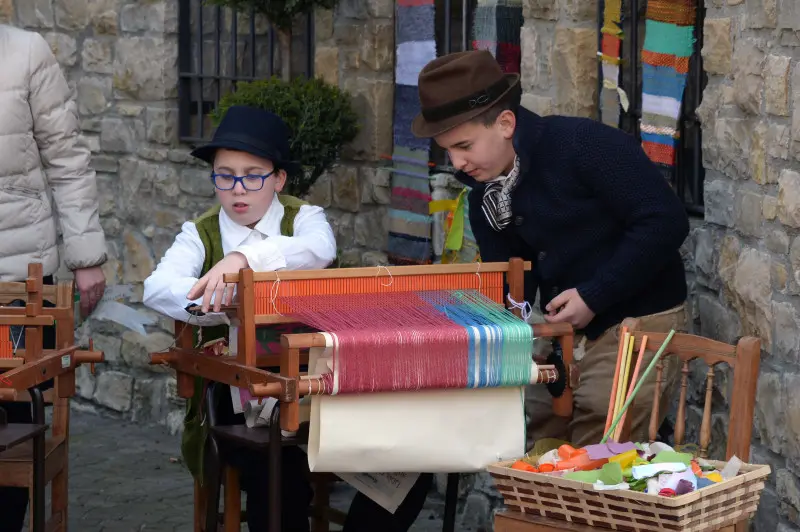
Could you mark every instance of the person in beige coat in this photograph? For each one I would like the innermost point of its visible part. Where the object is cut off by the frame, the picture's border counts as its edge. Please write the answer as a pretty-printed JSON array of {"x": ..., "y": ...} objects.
[{"x": 46, "y": 184}]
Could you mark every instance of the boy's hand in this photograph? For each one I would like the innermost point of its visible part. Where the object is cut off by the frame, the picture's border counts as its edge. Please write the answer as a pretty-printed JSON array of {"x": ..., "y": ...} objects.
[
  {"x": 568, "y": 307},
  {"x": 213, "y": 285}
]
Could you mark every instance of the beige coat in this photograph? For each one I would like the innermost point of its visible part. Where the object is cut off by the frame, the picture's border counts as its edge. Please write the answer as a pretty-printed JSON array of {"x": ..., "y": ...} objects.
[{"x": 45, "y": 180}]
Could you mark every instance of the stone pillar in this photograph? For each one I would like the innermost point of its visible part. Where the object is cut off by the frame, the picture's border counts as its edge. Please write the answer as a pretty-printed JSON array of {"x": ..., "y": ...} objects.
[
  {"x": 559, "y": 57},
  {"x": 355, "y": 50},
  {"x": 747, "y": 254}
]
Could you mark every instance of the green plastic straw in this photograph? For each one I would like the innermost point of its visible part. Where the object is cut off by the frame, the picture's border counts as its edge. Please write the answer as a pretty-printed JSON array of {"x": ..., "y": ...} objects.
[{"x": 638, "y": 385}]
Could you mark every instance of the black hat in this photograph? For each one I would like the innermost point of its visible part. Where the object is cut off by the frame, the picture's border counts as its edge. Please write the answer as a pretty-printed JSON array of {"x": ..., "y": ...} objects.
[{"x": 255, "y": 131}]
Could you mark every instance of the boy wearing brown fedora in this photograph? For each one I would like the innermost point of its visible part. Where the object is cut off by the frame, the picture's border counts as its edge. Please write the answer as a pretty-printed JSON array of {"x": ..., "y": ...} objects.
[{"x": 584, "y": 204}]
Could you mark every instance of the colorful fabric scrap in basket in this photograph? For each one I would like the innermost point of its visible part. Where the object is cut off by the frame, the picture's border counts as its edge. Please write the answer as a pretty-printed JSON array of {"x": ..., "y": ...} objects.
[
  {"x": 612, "y": 97},
  {"x": 653, "y": 468},
  {"x": 459, "y": 242},
  {"x": 409, "y": 222},
  {"x": 669, "y": 43}
]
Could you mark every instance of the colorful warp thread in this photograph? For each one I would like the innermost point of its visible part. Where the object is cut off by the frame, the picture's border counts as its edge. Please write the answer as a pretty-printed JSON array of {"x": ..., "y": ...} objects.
[
  {"x": 6, "y": 345},
  {"x": 669, "y": 43},
  {"x": 612, "y": 97},
  {"x": 419, "y": 340},
  {"x": 409, "y": 221},
  {"x": 496, "y": 28}
]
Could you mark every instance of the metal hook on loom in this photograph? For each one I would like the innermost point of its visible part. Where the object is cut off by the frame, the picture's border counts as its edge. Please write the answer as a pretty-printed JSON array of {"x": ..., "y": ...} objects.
[
  {"x": 524, "y": 307},
  {"x": 391, "y": 278}
]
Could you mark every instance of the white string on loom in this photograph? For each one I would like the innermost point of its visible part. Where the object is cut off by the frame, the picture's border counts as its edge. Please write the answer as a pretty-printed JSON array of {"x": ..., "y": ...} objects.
[
  {"x": 480, "y": 279},
  {"x": 273, "y": 293},
  {"x": 525, "y": 307},
  {"x": 17, "y": 340},
  {"x": 391, "y": 278}
]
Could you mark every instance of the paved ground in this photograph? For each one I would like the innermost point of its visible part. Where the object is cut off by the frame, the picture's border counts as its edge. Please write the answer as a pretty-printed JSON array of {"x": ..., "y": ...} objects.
[{"x": 126, "y": 477}]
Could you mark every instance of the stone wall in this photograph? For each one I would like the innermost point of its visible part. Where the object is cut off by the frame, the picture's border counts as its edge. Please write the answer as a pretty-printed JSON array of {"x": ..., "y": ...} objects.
[
  {"x": 120, "y": 56},
  {"x": 559, "y": 65},
  {"x": 748, "y": 252}
]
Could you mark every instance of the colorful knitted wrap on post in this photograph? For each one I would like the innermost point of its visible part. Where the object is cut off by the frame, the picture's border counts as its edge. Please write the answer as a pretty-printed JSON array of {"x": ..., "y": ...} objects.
[
  {"x": 669, "y": 43},
  {"x": 195, "y": 431}
]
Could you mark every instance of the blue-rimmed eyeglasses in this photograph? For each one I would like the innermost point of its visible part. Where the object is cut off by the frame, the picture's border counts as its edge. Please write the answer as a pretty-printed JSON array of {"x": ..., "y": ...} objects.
[{"x": 251, "y": 182}]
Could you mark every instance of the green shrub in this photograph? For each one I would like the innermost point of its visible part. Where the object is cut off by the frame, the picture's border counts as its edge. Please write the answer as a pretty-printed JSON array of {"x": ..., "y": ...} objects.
[{"x": 320, "y": 116}]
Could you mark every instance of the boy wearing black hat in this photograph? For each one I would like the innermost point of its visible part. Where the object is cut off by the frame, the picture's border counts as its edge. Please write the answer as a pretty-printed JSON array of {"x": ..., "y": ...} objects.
[
  {"x": 253, "y": 226},
  {"x": 584, "y": 204}
]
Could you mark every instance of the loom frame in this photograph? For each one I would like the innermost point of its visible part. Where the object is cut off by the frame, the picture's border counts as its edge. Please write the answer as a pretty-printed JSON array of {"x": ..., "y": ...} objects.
[{"x": 245, "y": 369}]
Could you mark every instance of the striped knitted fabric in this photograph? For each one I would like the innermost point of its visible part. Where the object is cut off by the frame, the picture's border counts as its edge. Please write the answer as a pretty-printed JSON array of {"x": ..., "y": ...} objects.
[
  {"x": 668, "y": 45},
  {"x": 611, "y": 96},
  {"x": 409, "y": 220},
  {"x": 496, "y": 28}
]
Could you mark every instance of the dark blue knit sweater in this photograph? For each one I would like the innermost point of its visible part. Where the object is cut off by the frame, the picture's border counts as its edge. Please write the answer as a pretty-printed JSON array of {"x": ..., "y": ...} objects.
[{"x": 591, "y": 212}]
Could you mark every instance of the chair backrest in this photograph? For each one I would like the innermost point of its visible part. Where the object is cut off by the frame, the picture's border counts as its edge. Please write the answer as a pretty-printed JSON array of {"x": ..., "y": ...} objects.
[
  {"x": 61, "y": 296},
  {"x": 743, "y": 358}
]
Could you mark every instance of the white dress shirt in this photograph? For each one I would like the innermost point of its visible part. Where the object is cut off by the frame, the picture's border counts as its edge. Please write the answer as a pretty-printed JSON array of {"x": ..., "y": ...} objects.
[{"x": 313, "y": 246}]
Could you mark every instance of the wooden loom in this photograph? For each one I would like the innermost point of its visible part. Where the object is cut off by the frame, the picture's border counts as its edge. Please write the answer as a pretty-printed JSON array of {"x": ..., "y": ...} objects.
[
  {"x": 257, "y": 305},
  {"x": 21, "y": 374}
]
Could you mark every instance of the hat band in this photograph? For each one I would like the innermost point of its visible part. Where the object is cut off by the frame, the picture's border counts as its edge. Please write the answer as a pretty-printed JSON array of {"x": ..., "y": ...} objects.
[{"x": 481, "y": 98}]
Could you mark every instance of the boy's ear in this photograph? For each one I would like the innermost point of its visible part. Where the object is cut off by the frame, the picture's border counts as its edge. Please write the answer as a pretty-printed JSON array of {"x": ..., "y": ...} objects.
[{"x": 280, "y": 180}]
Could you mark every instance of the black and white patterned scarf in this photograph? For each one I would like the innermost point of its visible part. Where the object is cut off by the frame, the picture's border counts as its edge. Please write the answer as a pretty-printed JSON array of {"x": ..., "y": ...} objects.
[{"x": 497, "y": 198}]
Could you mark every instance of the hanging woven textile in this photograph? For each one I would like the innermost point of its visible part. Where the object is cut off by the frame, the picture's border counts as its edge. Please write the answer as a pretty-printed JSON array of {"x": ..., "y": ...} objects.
[
  {"x": 612, "y": 96},
  {"x": 409, "y": 220},
  {"x": 669, "y": 43},
  {"x": 496, "y": 28}
]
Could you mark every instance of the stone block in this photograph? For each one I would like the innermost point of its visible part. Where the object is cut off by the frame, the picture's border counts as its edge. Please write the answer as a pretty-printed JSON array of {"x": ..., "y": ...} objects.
[
  {"x": 719, "y": 198},
  {"x": 374, "y": 258},
  {"x": 769, "y": 207},
  {"x": 372, "y": 229},
  {"x": 6, "y": 11},
  {"x": 323, "y": 24},
  {"x": 794, "y": 258},
  {"x": 786, "y": 345},
  {"x": 748, "y": 84},
  {"x": 758, "y": 154},
  {"x": 93, "y": 96},
  {"x": 779, "y": 275},
  {"x": 541, "y": 9},
  {"x": 114, "y": 390},
  {"x": 352, "y": 9},
  {"x": 790, "y": 37},
  {"x": 717, "y": 46},
  {"x": 377, "y": 48},
  {"x": 541, "y": 105},
  {"x": 321, "y": 193},
  {"x": 136, "y": 349},
  {"x": 761, "y": 13},
  {"x": 376, "y": 185},
  {"x": 706, "y": 243},
  {"x": 343, "y": 225},
  {"x": 145, "y": 68},
  {"x": 63, "y": 47},
  {"x": 776, "y": 84},
  {"x": 574, "y": 63},
  {"x": 789, "y": 198},
  {"x": 326, "y": 64},
  {"x": 748, "y": 219},
  {"x": 144, "y": 17},
  {"x": 779, "y": 138},
  {"x": 349, "y": 258},
  {"x": 373, "y": 100},
  {"x": 34, "y": 13},
  {"x": 788, "y": 14},
  {"x": 117, "y": 135},
  {"x": 138, "y": 258},
  {"x": 752, "y": 288},
  {"x": 162, "y": 125},
  {"x": 795, "y": 148},
  {"x": 71, "y": 14},
  {"x": 346, "y": 188},
  {"x": 730, "y": 150},
  {"x": 97, "y": 56},
  {"x": 777, "y": 241},
  {"x": 380, "y": 8},
  {"x": 85, "y": 382},
  {"x": 717, "y": 320},
  {"x": 580, "y": 10}
]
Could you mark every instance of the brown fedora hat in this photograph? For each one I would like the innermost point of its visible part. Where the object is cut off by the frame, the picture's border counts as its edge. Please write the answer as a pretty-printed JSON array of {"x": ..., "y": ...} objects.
[{"x": 458, "y": 87}]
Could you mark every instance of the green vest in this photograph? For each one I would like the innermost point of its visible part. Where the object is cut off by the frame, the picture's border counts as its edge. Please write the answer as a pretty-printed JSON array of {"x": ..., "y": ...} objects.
[{"x": 195, "y": 427}]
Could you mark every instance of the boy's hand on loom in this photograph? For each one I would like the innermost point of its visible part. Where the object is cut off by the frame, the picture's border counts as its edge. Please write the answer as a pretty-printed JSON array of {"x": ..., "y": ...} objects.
[
  {"x": 569, "y": 307},
  {"x": 212, "y": 284}
]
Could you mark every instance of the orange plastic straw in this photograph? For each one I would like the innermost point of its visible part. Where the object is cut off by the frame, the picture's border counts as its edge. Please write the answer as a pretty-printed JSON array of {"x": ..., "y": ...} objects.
[
  {"x": 631, "y": 387},
  {"x": 611, "y": 400}
]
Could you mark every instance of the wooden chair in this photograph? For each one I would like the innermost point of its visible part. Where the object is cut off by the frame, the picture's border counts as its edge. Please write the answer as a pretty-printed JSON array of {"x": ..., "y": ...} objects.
[
  {"x": 744, "y": 358},
  {"x": 30, "y": 368}
]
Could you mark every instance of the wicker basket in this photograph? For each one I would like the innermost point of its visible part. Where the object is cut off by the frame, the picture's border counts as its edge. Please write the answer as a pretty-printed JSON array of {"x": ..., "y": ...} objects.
[{"x": 710, "y": 508}]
